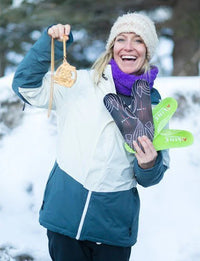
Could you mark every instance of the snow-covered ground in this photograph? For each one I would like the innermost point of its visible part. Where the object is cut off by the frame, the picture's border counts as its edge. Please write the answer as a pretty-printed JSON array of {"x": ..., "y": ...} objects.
[
  {"x": 169, "y": 228},
  {"x": 170, "y": 211}
]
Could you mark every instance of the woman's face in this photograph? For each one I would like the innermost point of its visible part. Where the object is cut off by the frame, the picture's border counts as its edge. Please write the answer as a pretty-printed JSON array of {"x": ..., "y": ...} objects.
[{"x": 129, "y": 52}]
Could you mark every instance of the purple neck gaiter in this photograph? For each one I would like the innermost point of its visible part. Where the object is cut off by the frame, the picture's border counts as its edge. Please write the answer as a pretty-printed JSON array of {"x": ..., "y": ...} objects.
[{"x": 124, "y": 82}]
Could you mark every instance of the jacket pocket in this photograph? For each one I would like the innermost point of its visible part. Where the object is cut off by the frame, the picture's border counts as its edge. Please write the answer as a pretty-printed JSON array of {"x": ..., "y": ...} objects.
[
  {"x": 117, "y": 220},
  {"x": 46, "y": 188}
]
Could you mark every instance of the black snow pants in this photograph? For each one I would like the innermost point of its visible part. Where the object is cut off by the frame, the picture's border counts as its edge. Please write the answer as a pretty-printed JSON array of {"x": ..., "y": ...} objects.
[{"x": 64, "y": 248}]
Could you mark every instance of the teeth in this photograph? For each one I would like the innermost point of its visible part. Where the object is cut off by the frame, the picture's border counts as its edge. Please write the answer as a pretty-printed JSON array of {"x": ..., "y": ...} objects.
[{"x": 130, "y": 57}]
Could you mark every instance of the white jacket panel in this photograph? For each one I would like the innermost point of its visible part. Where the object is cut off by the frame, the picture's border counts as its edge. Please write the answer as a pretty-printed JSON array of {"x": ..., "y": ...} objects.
[{"x": 90, "y": 146}]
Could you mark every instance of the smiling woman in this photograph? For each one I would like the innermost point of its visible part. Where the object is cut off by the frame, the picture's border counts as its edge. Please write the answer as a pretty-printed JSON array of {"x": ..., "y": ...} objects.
[
  {"x": 129, "y": 52},
  {"x": 144, "y": 36},
  {"x": 91, "y": 203}
]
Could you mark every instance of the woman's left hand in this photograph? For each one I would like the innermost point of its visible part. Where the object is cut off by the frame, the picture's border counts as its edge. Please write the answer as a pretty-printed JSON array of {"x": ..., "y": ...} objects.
[{"x": 146, "y": 157}]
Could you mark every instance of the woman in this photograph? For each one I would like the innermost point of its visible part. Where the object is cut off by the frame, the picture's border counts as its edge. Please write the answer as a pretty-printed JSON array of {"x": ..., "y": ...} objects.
[{"x": 91, "y": 203}]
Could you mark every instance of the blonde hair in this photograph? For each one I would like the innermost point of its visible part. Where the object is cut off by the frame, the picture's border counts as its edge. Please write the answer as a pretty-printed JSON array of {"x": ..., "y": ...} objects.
[
  {"x": 101, "y": 63},
  {"x": 104, "y": 59}
]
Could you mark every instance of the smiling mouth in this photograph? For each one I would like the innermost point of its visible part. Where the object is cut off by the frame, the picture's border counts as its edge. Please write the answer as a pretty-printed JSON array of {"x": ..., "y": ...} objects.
[{"x": 128, "y": 58}]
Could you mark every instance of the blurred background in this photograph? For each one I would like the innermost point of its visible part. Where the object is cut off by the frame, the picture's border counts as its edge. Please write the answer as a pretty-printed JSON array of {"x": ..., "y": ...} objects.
[
  {"x": 27, "y": 139},
  {"x": 178, "y": 21}
]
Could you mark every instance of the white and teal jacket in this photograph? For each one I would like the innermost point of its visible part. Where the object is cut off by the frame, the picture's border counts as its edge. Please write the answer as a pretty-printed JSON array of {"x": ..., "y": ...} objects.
[{"x": 91, "y": 192}]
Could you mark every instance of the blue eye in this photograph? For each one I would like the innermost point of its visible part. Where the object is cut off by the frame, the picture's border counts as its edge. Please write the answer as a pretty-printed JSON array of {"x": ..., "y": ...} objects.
[
  {"x": 120, "y": 39},
  {"x": 138, "y": 40}
]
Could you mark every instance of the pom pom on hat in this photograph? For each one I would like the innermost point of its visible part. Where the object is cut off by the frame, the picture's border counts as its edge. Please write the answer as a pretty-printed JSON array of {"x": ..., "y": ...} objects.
[{"x": 139, "y": 24}]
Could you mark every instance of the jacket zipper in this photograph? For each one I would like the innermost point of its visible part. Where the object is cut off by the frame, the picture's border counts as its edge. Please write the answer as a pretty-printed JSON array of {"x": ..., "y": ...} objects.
[{"x": 83, "y": 215}]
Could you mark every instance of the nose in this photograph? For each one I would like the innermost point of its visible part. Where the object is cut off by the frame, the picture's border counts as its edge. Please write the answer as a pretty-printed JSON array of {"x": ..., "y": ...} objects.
[{"x": 129, "y": 45}]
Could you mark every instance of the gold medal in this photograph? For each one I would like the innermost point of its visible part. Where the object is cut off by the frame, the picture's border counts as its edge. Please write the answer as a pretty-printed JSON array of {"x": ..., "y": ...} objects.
[{"x": 65, "y": 74}]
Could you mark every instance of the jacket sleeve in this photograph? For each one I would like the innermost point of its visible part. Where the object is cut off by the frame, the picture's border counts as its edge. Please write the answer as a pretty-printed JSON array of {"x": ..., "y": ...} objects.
[
  {"x": 29, "y": 82},
  {"x": 152, "y": 176}
]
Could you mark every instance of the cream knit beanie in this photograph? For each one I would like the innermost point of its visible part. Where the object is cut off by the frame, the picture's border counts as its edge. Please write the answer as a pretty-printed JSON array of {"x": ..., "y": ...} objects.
[{"x": 139, "y": 24}]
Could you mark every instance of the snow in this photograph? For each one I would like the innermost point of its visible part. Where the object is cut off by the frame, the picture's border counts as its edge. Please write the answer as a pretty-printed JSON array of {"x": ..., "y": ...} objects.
[
  {"x": 170, "y": 211},
  {"x": 16, "y": 3}
]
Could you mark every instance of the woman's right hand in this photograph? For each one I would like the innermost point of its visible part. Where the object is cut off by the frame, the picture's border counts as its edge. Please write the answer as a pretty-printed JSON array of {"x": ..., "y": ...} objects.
[{"x": 58, "y": 31}]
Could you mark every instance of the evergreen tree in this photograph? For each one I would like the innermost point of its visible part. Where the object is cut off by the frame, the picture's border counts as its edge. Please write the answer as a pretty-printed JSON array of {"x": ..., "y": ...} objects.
[{"x": 96, "y": 18}]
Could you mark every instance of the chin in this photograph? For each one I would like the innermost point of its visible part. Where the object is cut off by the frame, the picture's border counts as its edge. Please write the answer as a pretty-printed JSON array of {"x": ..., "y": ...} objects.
[{"x": 129, "y": 71}]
